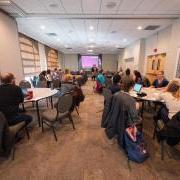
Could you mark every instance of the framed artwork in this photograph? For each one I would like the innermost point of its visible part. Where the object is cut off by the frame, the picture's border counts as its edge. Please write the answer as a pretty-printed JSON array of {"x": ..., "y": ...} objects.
[{"x": 155, "y": 63}]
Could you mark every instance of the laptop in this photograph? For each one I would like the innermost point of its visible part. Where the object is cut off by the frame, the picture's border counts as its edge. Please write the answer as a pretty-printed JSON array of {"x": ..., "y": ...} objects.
[{"x": 137, "y": 88}]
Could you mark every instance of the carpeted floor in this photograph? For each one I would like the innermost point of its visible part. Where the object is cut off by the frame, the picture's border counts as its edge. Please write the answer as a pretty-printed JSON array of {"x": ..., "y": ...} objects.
[{"x": 84, "y": 153}]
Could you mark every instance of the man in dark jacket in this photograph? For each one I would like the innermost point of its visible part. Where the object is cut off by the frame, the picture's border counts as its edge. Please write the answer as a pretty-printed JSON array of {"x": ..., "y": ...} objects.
[{"x": 10, "y": 98}]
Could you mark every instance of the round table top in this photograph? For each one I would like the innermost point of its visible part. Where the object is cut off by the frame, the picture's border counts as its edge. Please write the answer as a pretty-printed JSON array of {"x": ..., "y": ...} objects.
[
  {"x": 152, "y": 94},
  {"x": 41, "y": 93}
]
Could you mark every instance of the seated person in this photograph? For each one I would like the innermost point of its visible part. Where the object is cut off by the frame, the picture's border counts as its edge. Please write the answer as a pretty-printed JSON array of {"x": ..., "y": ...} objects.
[
  {"x": 137, "y": 77},
  {"x": 127, "y": 80},
  {"x": 171, "y": 97},
  {"x": 100, "y": 81},
  {"x": 160, "y": 82},
  {"x": 10, "y": 98},
  {"x": 67, "y": 76},
  {"x": 115, "y": 86}
]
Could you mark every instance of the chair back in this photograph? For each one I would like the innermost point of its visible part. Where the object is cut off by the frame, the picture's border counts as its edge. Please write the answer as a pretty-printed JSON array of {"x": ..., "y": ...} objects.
[
  {"x": 42, "y": 84},
  {"x": 56, "y": 83},
  {"x": 24, "y": 84},
  {"x": 65, "y": 103}
]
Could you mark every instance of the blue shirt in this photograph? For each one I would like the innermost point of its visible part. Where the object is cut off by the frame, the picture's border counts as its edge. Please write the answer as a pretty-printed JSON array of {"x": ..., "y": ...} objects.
[
  {"x": 101, "y": 79},
  {"x": 164, "y": 83}
]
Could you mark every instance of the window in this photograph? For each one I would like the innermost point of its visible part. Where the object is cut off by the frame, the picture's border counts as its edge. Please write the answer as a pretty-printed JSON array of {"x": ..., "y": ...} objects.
[
  {"x": 52, "y": 58},
  {"x": 30, "y": 55}
]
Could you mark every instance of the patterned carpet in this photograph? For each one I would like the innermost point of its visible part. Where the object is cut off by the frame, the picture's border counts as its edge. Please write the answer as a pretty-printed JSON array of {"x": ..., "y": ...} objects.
[{"x": 84, "y": 153}]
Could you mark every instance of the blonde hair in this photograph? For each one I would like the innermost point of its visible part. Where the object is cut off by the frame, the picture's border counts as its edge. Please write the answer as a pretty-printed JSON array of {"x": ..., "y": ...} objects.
[{"x": 174, "y": 88}]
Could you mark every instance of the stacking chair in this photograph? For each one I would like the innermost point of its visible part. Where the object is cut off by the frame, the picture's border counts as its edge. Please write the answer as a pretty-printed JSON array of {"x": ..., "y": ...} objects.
[
  {"x": 61, "y": 111},
  {"x": 24, "y": 85},
  {"x": 10, "y": 134}
]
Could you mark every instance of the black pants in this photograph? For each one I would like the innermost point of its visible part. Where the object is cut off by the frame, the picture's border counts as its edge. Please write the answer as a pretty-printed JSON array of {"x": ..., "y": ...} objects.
[
  {"x": 162, "y": 114},
  {"x": 19, "y": 118}
]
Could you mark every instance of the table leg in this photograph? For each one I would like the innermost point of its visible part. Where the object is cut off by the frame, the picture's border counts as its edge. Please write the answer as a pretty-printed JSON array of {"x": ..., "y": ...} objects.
[
  {"x": 51, "y": 102},
  {"x": 38, "y": 114},
  {"x": 142, "y": 109}
]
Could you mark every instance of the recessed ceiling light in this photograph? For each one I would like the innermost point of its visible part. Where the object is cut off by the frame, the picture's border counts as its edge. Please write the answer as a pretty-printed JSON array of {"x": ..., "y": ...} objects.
[
  {"x": 139, "y": 27},
  {"x": 91, "y": 28},
  {"x": 58, "y": 39},
  {"x": 90, "y": 50},
  {"x": 91, "y": 40},
  {"x": 42, "y": 27},
  {"x": 124, "y": 40}
]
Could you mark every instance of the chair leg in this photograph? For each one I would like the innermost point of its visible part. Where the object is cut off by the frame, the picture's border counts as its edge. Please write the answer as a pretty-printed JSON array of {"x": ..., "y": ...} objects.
[
  {"x": 13, "y": 152},
  {"x": 77, "y": 110},
  {"x": 70, "y": 118},
  {"x": 154, "y": 133},
  {"x": 162, "y": 150},
  {"x": 27, "y": 132},
  {"x": 23, "y": 107},
  {"x": 54, "y": 132},
  {"x": 42, "y": 125}
]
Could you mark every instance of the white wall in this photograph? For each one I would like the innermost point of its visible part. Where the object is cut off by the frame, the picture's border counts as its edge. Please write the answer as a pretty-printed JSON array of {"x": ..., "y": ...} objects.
[
  {"x": 161, "y": 41},
  {"x": 174, "y": 44},
  {"x": 42, "y": 56},
  {"x": 70, "y": 61},
  {"x": 134, "y": 51},
  {"x": 166, "y": 41},
  {"x": 109, "y": 62},
  {"x": 10, "y": 58}
]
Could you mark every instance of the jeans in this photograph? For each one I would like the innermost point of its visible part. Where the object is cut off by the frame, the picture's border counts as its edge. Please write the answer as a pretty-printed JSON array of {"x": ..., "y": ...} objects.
[{"x": 20, "y": 118}]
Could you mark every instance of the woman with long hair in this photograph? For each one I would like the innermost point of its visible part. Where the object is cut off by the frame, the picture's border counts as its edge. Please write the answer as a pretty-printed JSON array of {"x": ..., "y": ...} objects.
[{"x": 171, "y": 98}]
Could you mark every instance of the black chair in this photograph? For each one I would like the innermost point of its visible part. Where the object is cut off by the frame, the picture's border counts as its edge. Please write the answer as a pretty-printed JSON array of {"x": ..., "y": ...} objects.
[
  {"x": 167, "y": 132},
  {"x": 24, "y": 85},
  {"x": 61, "y": 111},
  {"x": 10, "y": 134}
]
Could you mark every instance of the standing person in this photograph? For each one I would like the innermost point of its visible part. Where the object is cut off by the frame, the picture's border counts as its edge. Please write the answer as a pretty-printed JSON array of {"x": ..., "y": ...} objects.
[
  {"x": 127, "y": 80},
  {"x": 55, "y": 74},
  {"x": 49, "y": 78},
  {"x": 100, "y": 81},
  {"x": 121, "y": 72},
  {"x": 10, "y": 97},
  {"x": 115, "y": 86},
  {"x": 94, "y": 71},
  {"x": 161, "y": 81}
]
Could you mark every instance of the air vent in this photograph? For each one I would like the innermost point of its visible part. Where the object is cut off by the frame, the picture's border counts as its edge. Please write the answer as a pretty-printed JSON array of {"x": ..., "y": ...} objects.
[
  {"x": 53, "y": 5},
  {"x": 69, "y": 48},
  {"x": 51, "y": 34},
  {"x": 151, "y": 28},
  {"x": 111, "y": 5},
  {"x": 120, "y": 48}
]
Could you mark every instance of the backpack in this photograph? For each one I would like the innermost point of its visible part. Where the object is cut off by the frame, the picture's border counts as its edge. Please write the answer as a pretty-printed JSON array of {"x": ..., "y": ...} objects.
[{"x": 135, "y": 149}]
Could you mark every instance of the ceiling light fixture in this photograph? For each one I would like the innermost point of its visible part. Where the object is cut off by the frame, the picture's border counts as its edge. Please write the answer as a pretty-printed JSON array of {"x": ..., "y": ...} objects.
[
  {"x": 42, "y": 27},
  {"x": 91, "y": 28},
  {"x": 90, "y": 50},
  {"x": 139, "y": 27},
  {"x": 91, "y": 40},
  {"x": 124, "y": 40},
  {"x": 58, "y": 39}
]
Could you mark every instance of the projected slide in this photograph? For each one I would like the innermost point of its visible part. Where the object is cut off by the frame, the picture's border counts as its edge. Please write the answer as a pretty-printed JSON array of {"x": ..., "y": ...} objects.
[{"x": 89, "y": 61}]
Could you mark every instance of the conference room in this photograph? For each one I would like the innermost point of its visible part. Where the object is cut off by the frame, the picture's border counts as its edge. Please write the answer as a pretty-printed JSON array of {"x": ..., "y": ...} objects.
[{"x": 89, "y": 89}]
